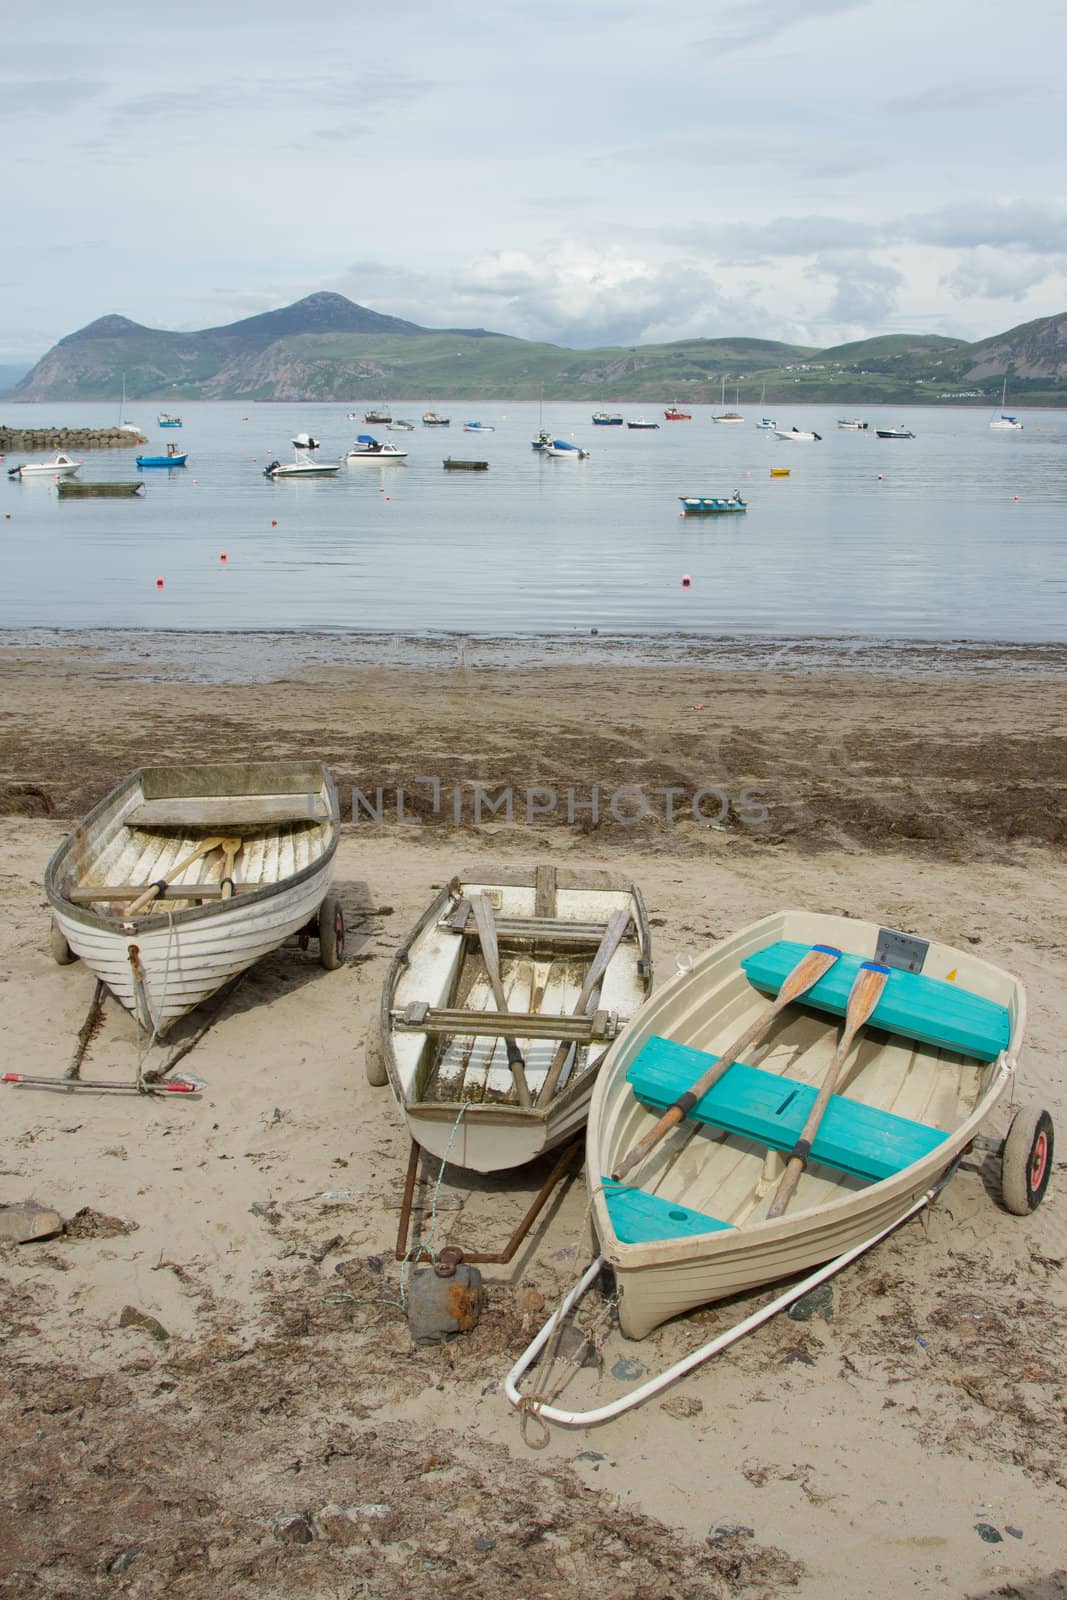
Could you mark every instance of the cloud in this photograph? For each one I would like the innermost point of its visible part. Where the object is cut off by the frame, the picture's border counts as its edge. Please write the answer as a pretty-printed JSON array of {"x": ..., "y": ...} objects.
[
  {"x": 46, "y": 96},
  {"x": 1010, "y": 224},
  {"x": 989, "y": 274},
  {"x": 368, "y": 92},
  {"x": 748, "y": 22},
  {"x": 864, "y": 289},
  {"x": 953, "y": 98}
]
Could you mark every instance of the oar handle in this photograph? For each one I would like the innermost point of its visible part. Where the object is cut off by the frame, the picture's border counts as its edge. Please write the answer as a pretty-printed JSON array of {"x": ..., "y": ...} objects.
[
  {"x": 863, "y": 998},
  {"x": 813, "y": 965}
]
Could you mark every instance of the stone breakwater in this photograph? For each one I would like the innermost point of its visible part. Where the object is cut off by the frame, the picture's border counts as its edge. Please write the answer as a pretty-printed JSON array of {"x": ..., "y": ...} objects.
[{"x": 67, "y": 438}]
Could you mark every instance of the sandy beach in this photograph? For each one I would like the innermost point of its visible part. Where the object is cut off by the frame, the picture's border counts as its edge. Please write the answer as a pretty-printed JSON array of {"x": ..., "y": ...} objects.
[{"x": 271, "y": 1429}]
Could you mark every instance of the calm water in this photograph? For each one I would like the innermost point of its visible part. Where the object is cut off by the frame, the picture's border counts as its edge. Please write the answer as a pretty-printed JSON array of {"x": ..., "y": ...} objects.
[{"x": 960, "y": 533}]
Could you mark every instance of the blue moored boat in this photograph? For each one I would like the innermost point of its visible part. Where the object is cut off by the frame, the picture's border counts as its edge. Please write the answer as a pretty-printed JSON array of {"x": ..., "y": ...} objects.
[
  {"x": 166, "y": 421},
  {"x": 173, "y": 458},
  {"x": 607, "y": 419},
  {"x": 711, "y": 502}
]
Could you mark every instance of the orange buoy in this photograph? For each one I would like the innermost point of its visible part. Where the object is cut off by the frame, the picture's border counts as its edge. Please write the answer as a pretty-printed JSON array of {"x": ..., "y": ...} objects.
[
  {"x": 159, "y": 583},
  {"x": 686, "y": 580},
  {"x": 273, "y": 523},
  {"x": 222, "y": 555}
]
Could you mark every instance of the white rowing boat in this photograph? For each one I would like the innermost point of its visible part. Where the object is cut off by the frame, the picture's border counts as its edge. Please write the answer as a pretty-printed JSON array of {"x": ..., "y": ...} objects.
[
  {"x": 184, "y": 876},
  {"x": 690, "y": 1225},
  {"x": 571, "y": 952}
]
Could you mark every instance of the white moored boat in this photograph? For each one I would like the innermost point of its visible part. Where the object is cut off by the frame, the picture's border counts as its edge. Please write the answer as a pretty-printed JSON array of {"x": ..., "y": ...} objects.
[
  {"x": 691, "y": 1224},
  {"x": 60, "y": 466},
  {"x": 368, "y": 448},
  {"x": 303, "y": 466},
  {"x": 796, "y": 435},
  {"x": 570, "y": 953},
  {"x": 184, "y": 876}
]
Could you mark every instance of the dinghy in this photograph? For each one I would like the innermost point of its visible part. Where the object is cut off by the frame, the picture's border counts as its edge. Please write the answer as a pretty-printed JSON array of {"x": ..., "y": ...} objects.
[
  {"x": 497, "y": 1013},
  {"x": 184, "y": 876},
  {"x": 689, "y": 1221}
]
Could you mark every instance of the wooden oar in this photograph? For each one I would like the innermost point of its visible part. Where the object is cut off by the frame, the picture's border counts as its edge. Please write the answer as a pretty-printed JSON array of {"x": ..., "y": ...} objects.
[
  {"x": 807, "y": 972},
  {"x": 483, "y": 916},
  {"x": 230, "y": 847},
  {"x": 202, "y": 849},
  {"x": 613, "y": 934},
  {"x": 864, "y": 995}
]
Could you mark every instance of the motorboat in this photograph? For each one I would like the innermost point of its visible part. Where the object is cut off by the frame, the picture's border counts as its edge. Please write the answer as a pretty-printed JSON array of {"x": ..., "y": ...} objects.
[
  {"x": 401, "y": 425},
  {"x": 894, "y": 433},
  {"x": 61, "y": 466},
  {"x": 184, "y": 876},
  {"x": 478, "y": 427},
  {"x": 607, "y": 419},
  {"x": 541, "y": 440},
  {"x": 368, "y": 448},
  {"x": 796, "y": 435},
  {"x": 302, "y": 467},
  {"x": 642, "y": 422},
  {"x": 173, "y": 458},
  {"x": 304, "y": 441},
  {"x": 852, "y": 424},
  {"x": 382, "y": 417},
  {"x": 430, "y": 419},
  {"x": 767, "y": 424},
  {"x": 563, "y": 450},
  {"x": 674, "y": 413},
  {"x": 164, "y": 420}
]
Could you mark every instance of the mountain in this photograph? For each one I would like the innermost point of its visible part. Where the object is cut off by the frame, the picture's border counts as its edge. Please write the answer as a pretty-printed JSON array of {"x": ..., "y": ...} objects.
[{"x": 326, "y": 347}]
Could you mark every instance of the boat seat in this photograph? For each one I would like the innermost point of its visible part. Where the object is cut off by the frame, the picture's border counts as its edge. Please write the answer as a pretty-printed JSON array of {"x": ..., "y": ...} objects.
[
  {"x": 228, "y": 811},
  {"x": 771, "y": 1110},
  {"x": 929, "y": 1010},
  {"x": 640, "y": 1218}
]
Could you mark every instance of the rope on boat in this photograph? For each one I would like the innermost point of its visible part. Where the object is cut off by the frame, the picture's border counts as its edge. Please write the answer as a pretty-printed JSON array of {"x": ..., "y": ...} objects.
[
  {"x": 416, "y": 1251},
  {"x": 160, "y": 1010}
]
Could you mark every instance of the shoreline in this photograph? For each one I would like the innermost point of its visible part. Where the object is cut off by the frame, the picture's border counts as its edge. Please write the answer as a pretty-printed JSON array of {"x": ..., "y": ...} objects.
[{"x": 262, "y": 655}]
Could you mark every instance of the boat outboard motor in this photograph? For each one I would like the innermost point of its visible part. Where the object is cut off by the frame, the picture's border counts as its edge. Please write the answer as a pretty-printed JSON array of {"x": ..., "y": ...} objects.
[{"x": 269, "y": 471}]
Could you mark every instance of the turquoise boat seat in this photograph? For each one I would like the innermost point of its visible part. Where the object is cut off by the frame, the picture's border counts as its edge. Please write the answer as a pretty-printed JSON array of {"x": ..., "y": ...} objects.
[
  {"x": 772, "y": 1110},
  {"x": 928, "y": 1010},
  {"x": 640, "y": 1218}
]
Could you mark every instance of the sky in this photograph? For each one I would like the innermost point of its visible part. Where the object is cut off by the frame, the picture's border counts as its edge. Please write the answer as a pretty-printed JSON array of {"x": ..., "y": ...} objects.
[{"x": 585, "y": 173}]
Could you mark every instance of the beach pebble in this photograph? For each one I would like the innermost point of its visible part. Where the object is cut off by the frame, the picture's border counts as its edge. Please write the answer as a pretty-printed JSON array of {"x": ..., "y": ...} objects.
[
  {"x": 292, "y": 1527},
  {"x": 485, "y": 1544},
  {"x": 628, "y": 1368},
  {"x": 819, "y": 1303},
  {"x": 124, "y": 1558},
  {"x": 130, "y": 1317},
  {"x": 986, "y": 1531},
  {"x": 26, "y": 1221}
]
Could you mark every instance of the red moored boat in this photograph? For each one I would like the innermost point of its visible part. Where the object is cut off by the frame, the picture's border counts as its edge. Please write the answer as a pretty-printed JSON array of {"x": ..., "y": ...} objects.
[{"x": 674, "y": 413}]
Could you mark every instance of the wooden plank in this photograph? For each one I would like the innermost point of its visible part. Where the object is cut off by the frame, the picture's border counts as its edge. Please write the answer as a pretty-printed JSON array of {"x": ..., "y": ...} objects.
[
  {"x": 228, "y": 811},
  {"x": 545, "y": 891},
  {"x": 87, "y": 895},
  {"x": 417, "y": 1017}
]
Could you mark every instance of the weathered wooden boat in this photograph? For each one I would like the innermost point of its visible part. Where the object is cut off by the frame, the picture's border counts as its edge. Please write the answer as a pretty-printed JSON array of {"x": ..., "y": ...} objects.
[
  {"x": 61, "y": 466},
  {"x": 70, "y": 489},
  {"x": 496, "y": 1014},
  {"x": 184, "y": 876},
  {"x": 712, "y": 503},
  {"x": 452, "y": 464},
  {"x": 693, "y": 1225},
  {"x": 750, "y": 1173}
]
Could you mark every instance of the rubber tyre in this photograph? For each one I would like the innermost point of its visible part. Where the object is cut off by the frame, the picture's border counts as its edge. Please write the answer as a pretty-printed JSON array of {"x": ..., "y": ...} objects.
[
  {"x": 1026, "y": 1163},
  {"x": 374, "y": 1056},
  {"x": 331, "y": 934},
  {"x": 61, "y": 952}
]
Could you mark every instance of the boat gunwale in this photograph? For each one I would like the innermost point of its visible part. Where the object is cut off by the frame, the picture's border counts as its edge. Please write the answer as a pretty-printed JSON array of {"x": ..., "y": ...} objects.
[{"x": 218, "y": 910}]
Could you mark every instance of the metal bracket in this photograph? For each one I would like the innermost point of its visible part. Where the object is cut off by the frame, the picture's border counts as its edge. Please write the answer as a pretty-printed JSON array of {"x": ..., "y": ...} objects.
[{"x": 901, "y": 950}]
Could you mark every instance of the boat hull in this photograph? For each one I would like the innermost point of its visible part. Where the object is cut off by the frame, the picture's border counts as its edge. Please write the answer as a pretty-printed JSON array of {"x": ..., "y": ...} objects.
[
  {"x": 457, "y": 1094},
  {"x": 732, "y": 1179},
  {"x": 186, "y": 952}
]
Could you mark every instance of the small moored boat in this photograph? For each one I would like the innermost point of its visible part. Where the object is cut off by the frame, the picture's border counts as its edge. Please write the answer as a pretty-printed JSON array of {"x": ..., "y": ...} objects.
[
  {"x": 894, "y": 433},
  {"x": 478, "y": 427},
  {"x": 173, "y": 458},
  {"x": 165, "y": 420},
  {"x": 541, "y": 440},
  {"x": 60, "y": 466},
  {"x": 74, "y": 489},
  {"x": 430, "y": 419},
  {"x": 184, "y": 876},
  {"x": 496, "y": 1013},
  {"x": 563, "y": 450},
  {"x": 383, "y": 417},
  {"x": 401, "y": 425},
  {"x": 642, "y": 422},
  {"x": 304, "y": 441},
  {"x": 853, "y": 424},
  {"x": 367, "y": 448},
  {"x": 710, "y": 502},
  {"x": 767, "y": 424},
  {"x": 607, "y": 419},
  {"x": 796, "y": 435},
  {"x": 674, "y": 413},
  {"x": 302, "y": 467}
]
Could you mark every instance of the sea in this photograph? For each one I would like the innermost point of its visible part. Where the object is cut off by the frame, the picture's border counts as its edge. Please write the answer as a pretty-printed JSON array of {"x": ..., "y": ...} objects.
[{"x": 953, "y": 542}]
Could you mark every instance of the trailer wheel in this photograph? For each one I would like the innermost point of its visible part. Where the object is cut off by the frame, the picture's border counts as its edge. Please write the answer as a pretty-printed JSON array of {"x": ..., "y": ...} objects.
[
  {"x": 374, "y": 1056},
  {"x": 1026, "y": 1163},
  {"x": 60, "y": 949},
  {"x": 331, "y": 933}
]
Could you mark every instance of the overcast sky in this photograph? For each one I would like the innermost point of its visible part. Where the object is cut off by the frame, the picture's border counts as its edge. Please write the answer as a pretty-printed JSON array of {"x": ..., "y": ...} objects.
[{"x": 582, "y": 172}]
